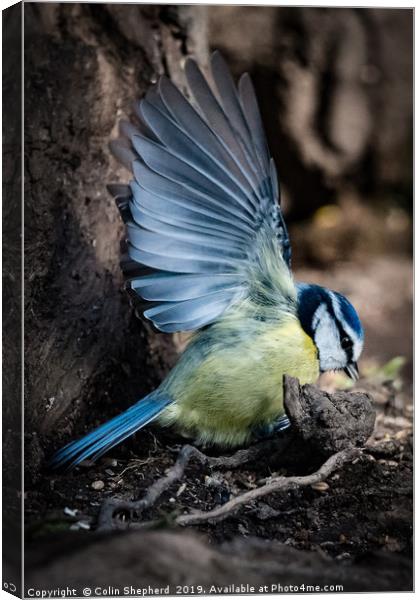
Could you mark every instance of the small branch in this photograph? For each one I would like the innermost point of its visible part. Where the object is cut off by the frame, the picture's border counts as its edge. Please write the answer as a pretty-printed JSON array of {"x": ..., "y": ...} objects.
[
  {"x": 247, "y": 455},
  {"x": 279, "y": 484},
  {"x": 107, "y": 521},
  {"x": 110, "y": 506}
]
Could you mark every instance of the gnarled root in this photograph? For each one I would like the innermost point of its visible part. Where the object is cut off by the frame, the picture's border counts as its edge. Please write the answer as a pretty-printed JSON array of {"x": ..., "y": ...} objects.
[{"x": 323, "y": 424}]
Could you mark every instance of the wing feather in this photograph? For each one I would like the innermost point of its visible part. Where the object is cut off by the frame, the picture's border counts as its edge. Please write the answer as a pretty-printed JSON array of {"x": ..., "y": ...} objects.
[
  {"x": 195, "y": 310},
  {"x": 208, "y": 205},
  {"x": 201, "y": 135},
  {"x": 217, "y": 120},
  {"x": 170, "y": 287},
  {"x": 204, "y": 226},
  {"x": 184, "y": 212},
  {"x": 178, "y": 230},
  {"x": 164, "y": 262},
  {"x": 229, "y": 98}
]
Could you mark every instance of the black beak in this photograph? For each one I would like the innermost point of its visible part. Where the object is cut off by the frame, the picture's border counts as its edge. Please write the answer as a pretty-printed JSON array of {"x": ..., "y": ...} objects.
[{"x": 352, "y": 371}]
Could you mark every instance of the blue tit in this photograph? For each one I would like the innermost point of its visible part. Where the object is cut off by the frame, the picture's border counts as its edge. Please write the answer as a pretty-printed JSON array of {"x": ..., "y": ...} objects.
[{"x": 209, "y": 252}]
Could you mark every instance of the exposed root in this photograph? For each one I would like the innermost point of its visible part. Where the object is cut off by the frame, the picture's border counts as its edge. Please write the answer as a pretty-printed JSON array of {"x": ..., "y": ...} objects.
[
  {"x": 112, "y": 508},
  {"x": 279, "y": 484}
]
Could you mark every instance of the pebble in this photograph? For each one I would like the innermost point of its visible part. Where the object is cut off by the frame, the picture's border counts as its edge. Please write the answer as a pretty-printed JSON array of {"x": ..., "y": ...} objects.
[
  {"x": 321, "y": 486},
  {"x": 389, "y": 463},
  {"x": 98, "y": 485},
  {"x": 370, "y": 457},
  {"x": 181, "y": 489},
  {"x": 402, "y": 434},
  {"x": 344, "y": 556},
  {"x": 80, "y": 525},
  {"x": 109, "y": 462}
]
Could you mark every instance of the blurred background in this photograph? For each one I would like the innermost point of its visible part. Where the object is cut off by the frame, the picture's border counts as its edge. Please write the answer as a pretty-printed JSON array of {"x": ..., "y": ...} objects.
[{"x": 335, "y": 90}]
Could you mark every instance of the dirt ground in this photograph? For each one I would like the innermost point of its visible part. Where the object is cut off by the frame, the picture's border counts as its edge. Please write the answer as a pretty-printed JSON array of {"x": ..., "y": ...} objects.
[{"x": 363, "y": 509}]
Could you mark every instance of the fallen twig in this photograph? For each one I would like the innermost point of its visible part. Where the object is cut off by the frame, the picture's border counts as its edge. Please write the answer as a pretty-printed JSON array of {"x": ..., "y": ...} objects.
[
  {"x": 111, "y": 506},
  {"x": 279, "y": 484}
]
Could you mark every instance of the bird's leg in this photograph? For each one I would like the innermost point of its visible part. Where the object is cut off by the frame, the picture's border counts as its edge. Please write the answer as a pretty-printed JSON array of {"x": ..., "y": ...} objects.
[{"x": 263, "y": 432}]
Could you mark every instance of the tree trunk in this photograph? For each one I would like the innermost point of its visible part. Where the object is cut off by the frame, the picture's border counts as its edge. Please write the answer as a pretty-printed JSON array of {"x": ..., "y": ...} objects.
[{"x": 87, "y": 356}]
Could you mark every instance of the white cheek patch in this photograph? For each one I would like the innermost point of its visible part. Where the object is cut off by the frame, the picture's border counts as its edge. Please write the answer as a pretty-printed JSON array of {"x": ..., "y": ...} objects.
[
  {"x": 327, "y": 339},
  {"x": 357, "y": 342},
  {"x": 357, "y": 348}
]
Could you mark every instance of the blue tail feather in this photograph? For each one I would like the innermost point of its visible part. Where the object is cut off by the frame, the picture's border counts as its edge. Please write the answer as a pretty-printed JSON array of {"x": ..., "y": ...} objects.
[{"x": 106, "y": 436}]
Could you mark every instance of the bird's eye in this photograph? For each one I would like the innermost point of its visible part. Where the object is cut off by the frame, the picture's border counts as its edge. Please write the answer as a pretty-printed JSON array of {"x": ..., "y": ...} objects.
[{"x": 346, "y": 342}]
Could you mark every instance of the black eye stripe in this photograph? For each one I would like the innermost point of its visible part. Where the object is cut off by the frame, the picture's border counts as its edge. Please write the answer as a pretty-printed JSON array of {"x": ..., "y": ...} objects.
[
  {"x": 348, "y": 348},
  {"x": 346, "y": 342},
  {"x": 309, "y": 304}
]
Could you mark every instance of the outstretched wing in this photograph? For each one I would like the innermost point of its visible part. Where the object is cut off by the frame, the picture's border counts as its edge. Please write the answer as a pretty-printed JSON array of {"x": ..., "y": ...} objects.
[{"x": 204, "y": 224}]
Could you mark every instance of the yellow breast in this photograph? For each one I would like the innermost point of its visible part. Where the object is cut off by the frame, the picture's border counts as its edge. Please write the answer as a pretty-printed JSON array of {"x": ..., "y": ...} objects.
[
  {"x": 289, "y": 350},
  {"x": 240, "y": 386}
]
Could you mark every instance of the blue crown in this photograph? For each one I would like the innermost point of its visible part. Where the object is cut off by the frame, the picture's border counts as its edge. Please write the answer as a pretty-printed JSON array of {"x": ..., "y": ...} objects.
[{"x": 311, "y": 296}]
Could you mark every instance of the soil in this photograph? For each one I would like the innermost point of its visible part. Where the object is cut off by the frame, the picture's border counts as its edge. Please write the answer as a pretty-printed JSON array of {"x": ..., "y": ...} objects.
[{"x": 363, "y": 509}]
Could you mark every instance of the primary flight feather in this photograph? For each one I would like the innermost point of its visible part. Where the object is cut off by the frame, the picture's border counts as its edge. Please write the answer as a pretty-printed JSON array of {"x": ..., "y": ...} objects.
[{"x": 208, "y": 250}]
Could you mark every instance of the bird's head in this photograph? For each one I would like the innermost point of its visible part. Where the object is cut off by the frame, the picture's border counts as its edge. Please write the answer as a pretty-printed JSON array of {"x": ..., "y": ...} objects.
[{"x": 334, "y": 325}]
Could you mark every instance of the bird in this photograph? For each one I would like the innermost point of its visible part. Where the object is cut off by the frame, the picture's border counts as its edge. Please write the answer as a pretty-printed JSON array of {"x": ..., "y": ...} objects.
[{"x": 208, "y": 252}]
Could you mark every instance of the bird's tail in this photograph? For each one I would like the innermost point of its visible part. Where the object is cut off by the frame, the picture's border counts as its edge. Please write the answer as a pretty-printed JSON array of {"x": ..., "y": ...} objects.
[{"x": 108, "y": 435}]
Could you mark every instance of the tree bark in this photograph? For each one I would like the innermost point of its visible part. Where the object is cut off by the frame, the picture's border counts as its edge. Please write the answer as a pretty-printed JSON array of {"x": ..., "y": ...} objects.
[{"x": 87, "y": 357}]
